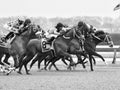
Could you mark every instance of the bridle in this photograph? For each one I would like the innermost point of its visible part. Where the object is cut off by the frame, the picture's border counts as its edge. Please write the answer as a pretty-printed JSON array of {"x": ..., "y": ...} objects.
[{"x": 105, "y": 39}]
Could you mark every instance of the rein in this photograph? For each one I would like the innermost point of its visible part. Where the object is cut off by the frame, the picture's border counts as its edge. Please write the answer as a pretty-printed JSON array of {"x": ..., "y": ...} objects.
[{"x": 106, "y": 38}]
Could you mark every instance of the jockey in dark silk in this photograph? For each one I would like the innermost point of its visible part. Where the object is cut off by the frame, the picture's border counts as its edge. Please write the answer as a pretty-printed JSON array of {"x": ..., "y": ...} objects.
[
  {"x": 60, "y": 29},
  {"x": 86, "y": 31}
]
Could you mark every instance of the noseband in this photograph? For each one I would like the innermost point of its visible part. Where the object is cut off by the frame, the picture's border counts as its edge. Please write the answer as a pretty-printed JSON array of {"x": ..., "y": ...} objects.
[{"x": 103, "y": 40}]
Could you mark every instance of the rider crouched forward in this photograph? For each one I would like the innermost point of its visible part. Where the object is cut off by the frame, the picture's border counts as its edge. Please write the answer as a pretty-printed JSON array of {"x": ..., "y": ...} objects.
[{"x": 52, "y": 34}]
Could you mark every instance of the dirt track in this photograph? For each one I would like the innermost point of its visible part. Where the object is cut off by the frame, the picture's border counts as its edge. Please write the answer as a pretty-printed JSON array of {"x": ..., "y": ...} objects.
[{"x": 103, "y": 78}]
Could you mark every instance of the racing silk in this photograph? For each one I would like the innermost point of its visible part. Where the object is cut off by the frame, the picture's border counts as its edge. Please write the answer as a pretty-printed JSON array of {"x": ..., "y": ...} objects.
[
  {"x": 11, "y": 27},
  {"x": 51, "y": 33},
  {"x": 86, "y": 30},
  {"x": 54, "y": 33}
]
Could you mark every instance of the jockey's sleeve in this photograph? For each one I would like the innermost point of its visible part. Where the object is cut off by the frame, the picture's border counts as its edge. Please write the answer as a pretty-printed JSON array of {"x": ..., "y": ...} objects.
[
  {"x": 56, "y": 33},
  {"x": 65, "y": 29},
  {"x": 21, "y": 26}
]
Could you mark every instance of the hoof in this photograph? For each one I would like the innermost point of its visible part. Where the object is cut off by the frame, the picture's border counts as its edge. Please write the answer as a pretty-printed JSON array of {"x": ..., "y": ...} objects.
[
  {"x": 19, "y": 72},
  {"x": 57, "y": 70},
  {"x": 28, "y": 73},
  {"x": 7, "y": 74}
]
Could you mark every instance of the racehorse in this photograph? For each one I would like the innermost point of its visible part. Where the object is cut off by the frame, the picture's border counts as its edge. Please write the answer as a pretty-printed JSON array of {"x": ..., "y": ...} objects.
[
  {"x": 91, "y": 43},
  {"x": 18, "y": 45},
  {"x": 33, "y": 47},
  {"x": 90, "y": 46}
]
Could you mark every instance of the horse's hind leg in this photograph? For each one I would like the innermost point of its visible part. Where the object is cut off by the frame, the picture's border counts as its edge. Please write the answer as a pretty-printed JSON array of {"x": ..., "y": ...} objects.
[{"x": 98, "y": 55}]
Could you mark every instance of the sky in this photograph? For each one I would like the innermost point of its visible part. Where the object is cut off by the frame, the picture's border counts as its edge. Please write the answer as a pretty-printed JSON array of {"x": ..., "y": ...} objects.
[{"x": 58, "y": 8}]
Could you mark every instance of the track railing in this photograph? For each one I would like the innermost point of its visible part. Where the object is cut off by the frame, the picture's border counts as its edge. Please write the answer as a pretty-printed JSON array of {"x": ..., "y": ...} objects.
[{"x": 106, "y": 49}]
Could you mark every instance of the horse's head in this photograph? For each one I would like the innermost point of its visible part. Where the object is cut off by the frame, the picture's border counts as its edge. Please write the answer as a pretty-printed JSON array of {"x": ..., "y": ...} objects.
[{"x": 105, "y": 37}]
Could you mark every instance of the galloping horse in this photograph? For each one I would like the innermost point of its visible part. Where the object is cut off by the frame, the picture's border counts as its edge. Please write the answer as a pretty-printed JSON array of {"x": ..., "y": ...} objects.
[
  {"x": 33, "y": 47},
  {"x": 18, "y": 45},
  {"x": 90, "y": 46},
  {"x": 91, "y": 43}
]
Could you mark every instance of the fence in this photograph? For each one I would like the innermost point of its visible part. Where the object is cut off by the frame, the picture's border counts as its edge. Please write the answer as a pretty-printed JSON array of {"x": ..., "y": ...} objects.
[{"x": 104, "y": 49}]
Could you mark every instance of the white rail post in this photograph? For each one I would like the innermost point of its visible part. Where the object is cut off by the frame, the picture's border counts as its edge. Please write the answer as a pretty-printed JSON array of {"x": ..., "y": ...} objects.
[{"x": 114, "y": 57}]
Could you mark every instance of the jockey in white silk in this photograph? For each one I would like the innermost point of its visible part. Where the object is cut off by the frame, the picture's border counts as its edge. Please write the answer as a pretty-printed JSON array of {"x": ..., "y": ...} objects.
[
  {"x": 11, "y": 27},
  {"x": 53, "y": 32}
]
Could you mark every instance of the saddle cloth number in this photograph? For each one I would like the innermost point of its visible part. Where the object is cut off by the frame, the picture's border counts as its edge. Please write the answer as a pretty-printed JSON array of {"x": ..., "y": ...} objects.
[{"x": 45, "y": 45}]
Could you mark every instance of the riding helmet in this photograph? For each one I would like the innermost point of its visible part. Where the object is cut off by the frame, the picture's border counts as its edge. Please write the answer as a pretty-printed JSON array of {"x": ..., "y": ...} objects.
[
  {"x": 59, "y": 25},
  {"x": 27, "y": 21},
  {"x": 80, "y": 23}
]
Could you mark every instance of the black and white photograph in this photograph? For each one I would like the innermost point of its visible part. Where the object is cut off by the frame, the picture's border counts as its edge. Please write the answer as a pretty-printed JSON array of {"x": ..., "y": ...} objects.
[{"x": 59, "y": 44}]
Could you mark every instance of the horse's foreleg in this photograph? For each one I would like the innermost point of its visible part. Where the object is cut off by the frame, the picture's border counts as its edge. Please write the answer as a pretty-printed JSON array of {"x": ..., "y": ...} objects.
[
  {"x": 34, "y": 61},
  {"x": 100, "y": 56},
  {"x": 80, "y": 61},
  {"x": 6, "y": 59},
  {"x": 26, "y": 61},
  {"x": 94, "y": 60},
  {"x": 21, "y": 59},
  {"x": 16, "y": 61},
  {"x": 91, "y": 65},
  {"x": 1, "y": 63}
]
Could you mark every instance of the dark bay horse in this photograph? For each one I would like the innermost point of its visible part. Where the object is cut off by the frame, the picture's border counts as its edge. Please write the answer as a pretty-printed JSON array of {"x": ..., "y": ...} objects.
[
  {"x": 91, "y": 43},
  {"x": 33, "y": 47},
  {"x": 90, "y": 46},
  {"x": 18, "y": 45}
]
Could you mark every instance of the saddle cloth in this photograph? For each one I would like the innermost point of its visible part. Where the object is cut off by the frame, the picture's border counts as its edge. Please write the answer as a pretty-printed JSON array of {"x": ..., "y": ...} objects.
[{"x": 45, "y": 46}]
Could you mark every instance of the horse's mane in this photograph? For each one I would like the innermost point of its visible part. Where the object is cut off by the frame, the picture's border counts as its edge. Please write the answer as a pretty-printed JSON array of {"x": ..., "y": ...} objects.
[{"x": 99, "y": 32}]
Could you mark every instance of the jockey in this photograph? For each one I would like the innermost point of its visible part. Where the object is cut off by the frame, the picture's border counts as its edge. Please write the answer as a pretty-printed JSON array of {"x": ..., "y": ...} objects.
[
  {"x": 24, "y": 26},
  {"x": 86, "y": 30},
  {"x": 12, "y": 27},
  {"x": 52, "y": 34}
]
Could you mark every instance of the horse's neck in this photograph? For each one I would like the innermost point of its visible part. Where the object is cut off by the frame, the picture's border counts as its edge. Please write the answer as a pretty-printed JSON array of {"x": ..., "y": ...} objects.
[
  {"x": 91, "y": 41},
  {"x": 21, "y": 40},
  {"x": 69, "y": 33},
  {"x": 94, "y": 40}
]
